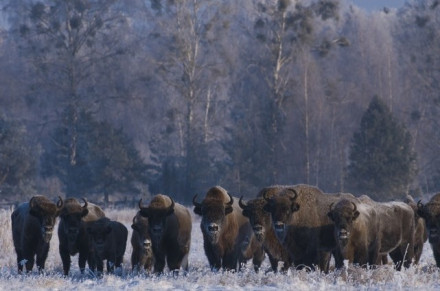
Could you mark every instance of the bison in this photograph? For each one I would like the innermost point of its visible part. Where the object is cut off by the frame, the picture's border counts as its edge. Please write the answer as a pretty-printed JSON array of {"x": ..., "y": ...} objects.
[
  {"x": 299, "y": 218},
  {"x": 368, "y": 230},
  {"x": 142, "y": 254},
  {"x": 226, "y": 232},
  {"x": 32, "y": 228},
  {"x": 109, "y": 240},
  {"x": 169, "y": 226},
  {"x": 431, "y": 213},
  {"x": 420, "y": 231},
  {"x": 264, "y": 232},
  {"x": 72, "y": 233}
]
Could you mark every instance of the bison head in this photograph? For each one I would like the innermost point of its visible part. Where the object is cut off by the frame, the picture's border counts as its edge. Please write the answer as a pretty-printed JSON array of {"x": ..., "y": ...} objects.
[
  {"x": 143, "y": 240},
  {"x": 213, "y": 212},
  {"x": 343, "y": 214},
  {"x": 157, "y": 213},
  {"x": 258, "y": 218},
  {"x": 46, "y": 211},
  {"x": 98, "y": 232},
  {"x": 281, "y": 209},
  {"x": 71, "y": 216},
  {"x": 431, "y": 213}
]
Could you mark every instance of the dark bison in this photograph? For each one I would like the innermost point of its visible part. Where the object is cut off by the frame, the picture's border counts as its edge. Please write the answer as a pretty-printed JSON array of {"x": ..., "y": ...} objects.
[
  {"x": 261, "y": 223},
  {"x": 142, "y": 254},
  {"x": 420, "y": 231},
  {"x": 32, "y": 228},
  {"x": 226, "y": 232},
  {"x": 368, "y": 230},
  {"x": 169, "y": 226},
  {"x": 431, "y": 213},
  {"x": 109, "y": 240},
  {"x": 299, "y": 218},
  {"x": 72, "y": 233}
]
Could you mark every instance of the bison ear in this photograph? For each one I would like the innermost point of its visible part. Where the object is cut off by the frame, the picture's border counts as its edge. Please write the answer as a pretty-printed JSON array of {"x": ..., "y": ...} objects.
[
  {"x": 330, "y": 215},
  {"x": 228, "y": 210},
  {"x": 245, "y": 212},
  {"x": 134, "y": 227},
  {"x": 420, "y": 212},
  {"x": 198, "y": 210},
  {"x": 355, "y": 215},
  {"x": 294, "y": 207}
]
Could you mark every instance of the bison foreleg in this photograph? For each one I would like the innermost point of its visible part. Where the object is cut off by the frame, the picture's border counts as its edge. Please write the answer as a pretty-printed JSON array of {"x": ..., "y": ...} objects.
[
  {"x": 258, "y": 258},
  {"x": 436, "y": 255},
  {"x": 82, "y": 258},
  {"x": 159, "y": 264},
  {"x": 230, "y": 261},
  {"x": 65, "y": 258}
]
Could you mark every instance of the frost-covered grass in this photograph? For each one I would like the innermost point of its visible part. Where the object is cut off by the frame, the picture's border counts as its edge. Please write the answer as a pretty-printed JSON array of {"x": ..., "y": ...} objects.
[{"x": 425, "y": 276}]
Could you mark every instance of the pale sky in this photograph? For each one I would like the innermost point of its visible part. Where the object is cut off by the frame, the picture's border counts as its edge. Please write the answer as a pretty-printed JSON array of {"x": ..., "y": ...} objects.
[{"x": 378, "y": 4}]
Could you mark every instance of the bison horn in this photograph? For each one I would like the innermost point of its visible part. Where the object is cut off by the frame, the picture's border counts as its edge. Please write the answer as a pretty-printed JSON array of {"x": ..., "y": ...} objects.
[
  {"x": 354, "y": 206},
  {"x": 294, "y": 193},
  {"x": 241, "y": 203},
  {"x": 171, "y": 208},
  {"x": 195, "y": 203},
  {"x": 32, "y": 202},
  {"x": 85, "y": 203},
  {"x": 140, "y": 204},
  {"x": 231, "y": 200},
  {"x": 60, "y": 202}
]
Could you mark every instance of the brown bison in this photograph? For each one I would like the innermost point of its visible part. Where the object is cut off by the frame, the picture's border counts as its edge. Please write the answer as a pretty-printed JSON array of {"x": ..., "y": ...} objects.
[
  {"x": 299, "y": 218},
  {"x": 169, "y": 226},
  {"x": 72, "y": 233},
  {"x": 368, "y": 230},
  {"x": 420, "y": 231},
  {"x": 264, "y": 232},
  {"x": 32, "y": 228},
  {"x": 142, "y": 254},
  {"x": 431, "y": 213},
  {"x": 226, "y": 231},
  {"x": 109, "y": 240}
]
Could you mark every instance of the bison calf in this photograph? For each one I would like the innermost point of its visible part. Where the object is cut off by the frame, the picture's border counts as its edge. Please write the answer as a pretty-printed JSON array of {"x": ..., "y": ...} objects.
[
  {"x": 169, "y": 226},
  {"x": 32, "y": 228},
  {"x": 142, "y": 255},
  {"x": 109, "y": 239}
]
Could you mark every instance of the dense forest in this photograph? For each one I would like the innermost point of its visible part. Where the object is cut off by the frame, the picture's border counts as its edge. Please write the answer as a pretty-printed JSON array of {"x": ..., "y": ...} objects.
[{"x": 125, "y": 99}]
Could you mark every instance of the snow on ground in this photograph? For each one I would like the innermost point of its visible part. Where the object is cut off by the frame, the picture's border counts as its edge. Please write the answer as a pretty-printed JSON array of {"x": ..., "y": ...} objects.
[{"x": 425, "y": 276}]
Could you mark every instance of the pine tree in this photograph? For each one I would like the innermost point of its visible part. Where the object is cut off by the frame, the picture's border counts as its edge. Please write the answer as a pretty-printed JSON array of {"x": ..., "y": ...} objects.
[
  {"x": 382, "y": 162},
  {"x": 106, "y": 160},
  {"x": 17, "y": 159}
]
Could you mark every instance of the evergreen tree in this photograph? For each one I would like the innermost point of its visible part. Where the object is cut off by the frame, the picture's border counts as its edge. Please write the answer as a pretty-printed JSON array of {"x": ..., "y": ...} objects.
[
  {"x": 17, "y": 159},
  {"x": 106, "y": 161},
  {"x": 382, "y": 162}
]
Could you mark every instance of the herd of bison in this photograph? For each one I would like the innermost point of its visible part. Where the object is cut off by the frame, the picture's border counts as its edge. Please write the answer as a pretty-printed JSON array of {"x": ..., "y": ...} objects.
[{"x": 295, "y": 226}]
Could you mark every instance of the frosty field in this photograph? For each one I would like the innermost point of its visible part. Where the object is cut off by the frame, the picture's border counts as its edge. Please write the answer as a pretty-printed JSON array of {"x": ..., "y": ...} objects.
[{"x": 425, "y": 276}]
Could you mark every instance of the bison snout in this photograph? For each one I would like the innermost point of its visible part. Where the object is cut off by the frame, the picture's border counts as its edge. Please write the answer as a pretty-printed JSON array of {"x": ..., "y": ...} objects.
[
  {"x": 157, "y": 230},
  {"x": 147, "y": 244},
  {"x": 343, "y": 234},
  {"x": 213, "y": 227},
  {"x": 279, "y": 226}
]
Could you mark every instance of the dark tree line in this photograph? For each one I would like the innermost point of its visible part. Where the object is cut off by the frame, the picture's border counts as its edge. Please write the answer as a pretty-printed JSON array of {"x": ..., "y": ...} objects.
[{"x": 125, "y": 98}]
